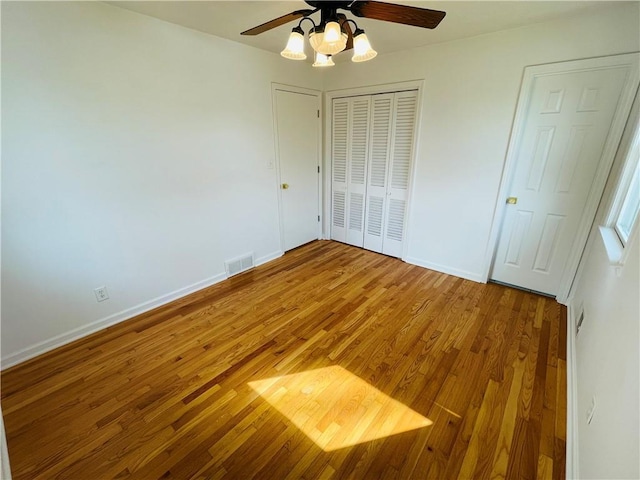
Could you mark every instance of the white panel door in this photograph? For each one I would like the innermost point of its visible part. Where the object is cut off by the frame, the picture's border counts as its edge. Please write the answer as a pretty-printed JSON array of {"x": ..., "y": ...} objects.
[
  {"x": 298, "y": 155},
  {"x": 402, "y": 135},
  {"x": 565, "y": 127}
]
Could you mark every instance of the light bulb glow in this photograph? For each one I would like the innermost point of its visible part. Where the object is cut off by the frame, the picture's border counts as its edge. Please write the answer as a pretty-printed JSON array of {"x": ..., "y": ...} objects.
[
  {"x": 362, "y": 50},
  {"x": 323, "y": 60},
  {"x": 295, "y": 47},
  {"x": 329, "y": 39},
  {"x": 332, "y": 32},
  {"x": 331, "y": 48}
]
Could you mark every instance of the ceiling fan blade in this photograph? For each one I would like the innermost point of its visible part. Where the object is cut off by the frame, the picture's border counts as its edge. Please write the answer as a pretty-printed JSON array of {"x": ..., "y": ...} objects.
[
  {"x": 276, "y": 22},
  {"x": 347, "y": 28},
  {"x": 390, "y": 12}
]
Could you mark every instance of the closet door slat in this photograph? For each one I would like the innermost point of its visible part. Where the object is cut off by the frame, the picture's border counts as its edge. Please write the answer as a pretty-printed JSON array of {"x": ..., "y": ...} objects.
[
  {"x": 339, "y": 152},
  {"x": 357, "y": 168},
  {"x": 381, "y": 116},
  {"x": 402, "y": 140}
]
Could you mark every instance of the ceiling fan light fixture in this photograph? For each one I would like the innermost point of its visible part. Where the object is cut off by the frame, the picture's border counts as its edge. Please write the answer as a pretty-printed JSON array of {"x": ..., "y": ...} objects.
[
  {"x": 322, "y": 60},
  {"x": 362, "y": 50},
  {"x": 295, "y": 45},
  {"x": 335, "y": 32}
]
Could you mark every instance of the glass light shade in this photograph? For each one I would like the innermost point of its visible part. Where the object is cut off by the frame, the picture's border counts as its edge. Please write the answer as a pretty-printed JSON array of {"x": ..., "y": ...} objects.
[
  {"x": 362, "y": 50},
  {"x": 331, "y": 48},
  {"x": 323, "y": 60},
  {"x": 295, "y": 47},
  {"x": 316, "y": 36},
  {"x": 332, "y": 32}
]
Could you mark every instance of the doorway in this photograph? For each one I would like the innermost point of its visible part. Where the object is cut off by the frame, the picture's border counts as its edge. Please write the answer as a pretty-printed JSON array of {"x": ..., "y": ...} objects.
[
  {"x": 297, "y": 132},
  {"x": 569, "y": 121}
]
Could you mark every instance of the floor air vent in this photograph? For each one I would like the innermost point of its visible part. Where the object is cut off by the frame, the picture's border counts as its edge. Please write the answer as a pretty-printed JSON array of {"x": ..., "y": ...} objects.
[{"x": 239, "y": 265}]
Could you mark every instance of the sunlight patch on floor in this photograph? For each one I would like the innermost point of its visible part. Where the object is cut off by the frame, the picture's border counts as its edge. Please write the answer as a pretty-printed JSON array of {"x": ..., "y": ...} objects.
[{"x": 337, "y": 409}]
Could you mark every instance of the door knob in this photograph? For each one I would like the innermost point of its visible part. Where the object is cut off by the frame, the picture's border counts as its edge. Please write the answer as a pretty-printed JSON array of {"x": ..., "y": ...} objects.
[
  {"x": 285, "y": 186},
  {"x": 512, "y": 200}
]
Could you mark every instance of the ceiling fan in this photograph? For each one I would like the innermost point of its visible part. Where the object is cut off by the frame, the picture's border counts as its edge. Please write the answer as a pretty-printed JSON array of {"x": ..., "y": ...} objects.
[{"x": 334, "y": 33}]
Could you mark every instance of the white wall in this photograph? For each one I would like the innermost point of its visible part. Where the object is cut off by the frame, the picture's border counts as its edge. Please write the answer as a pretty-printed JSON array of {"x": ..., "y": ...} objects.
[
  {"x": 134, "y": 155},
  {"x": 607, "y": 349},
  {"x": 470, "y": 94},
  {"x": 607, "y": 355}
]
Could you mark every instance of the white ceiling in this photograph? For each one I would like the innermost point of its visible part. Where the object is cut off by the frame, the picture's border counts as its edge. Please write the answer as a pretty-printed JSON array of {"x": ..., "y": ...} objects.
[{"x": 227, "y": 19}]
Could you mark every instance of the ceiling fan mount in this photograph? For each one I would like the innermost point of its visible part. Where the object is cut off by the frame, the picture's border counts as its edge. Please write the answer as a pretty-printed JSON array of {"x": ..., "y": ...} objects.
[{"x": 344, "y": 5}]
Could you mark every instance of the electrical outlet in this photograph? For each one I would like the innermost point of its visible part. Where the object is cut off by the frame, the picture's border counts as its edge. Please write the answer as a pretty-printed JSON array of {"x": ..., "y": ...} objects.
[
  {"x": 101, "y": 294},
  {"x": 591, "y": 410}
]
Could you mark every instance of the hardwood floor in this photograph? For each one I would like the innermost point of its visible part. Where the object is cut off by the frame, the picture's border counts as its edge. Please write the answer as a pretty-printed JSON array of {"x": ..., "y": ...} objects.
[{"x": 281, "y": 371}]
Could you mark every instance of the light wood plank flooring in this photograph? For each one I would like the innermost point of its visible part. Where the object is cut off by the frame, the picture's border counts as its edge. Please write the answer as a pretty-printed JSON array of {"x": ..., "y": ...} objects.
[{"x": 331, "y": 362}]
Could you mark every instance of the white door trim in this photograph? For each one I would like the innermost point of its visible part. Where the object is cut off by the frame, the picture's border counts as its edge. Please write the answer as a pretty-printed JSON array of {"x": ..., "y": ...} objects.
[
  {"x": 5, "y": 467},
  {"x": 632, "y": 61},
  {"x": 275, "y": 87},
  {"x": 326, "y": 164}
]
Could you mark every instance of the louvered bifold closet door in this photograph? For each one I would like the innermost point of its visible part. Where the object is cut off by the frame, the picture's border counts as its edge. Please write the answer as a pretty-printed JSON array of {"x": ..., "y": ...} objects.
[
  {"x": 402, "y": 140},
  {"x": 339, "y": 150},
  {"x": 357, "y": 168},
  {"x": 377, "y": 179}
]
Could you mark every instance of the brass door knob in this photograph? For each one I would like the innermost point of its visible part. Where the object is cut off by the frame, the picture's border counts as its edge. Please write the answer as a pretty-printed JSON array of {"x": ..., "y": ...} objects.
[
  {"x": 512, "y": 200},
  {"x": 285, "y": 186}
]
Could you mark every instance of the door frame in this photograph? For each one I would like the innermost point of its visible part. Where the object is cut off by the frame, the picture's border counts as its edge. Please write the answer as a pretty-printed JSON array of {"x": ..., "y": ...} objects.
[
  {"x": 275, "y": 88},
  {"x": 630, "y": 61},
  {"x": 326, "y": 167}
]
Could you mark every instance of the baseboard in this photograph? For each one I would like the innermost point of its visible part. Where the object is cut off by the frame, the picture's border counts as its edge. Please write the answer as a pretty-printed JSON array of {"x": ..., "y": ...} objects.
[
  {"x": 93, "y": 327},
  {"x": 80, "y": 332},
  {"x": 267, "y": 258},
  {"x": 473, "y": 276},
  {"x": 572, "y": 398}
]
